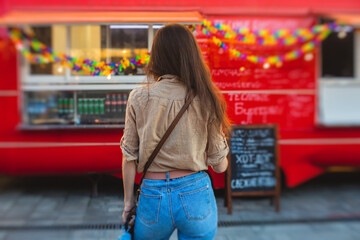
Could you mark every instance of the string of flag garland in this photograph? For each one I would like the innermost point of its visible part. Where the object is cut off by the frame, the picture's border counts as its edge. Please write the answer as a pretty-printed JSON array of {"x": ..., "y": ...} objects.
[
  {"x": 308, "y": 37},
  {"x": 276, "y": 60},
  {"x": 45, "y": 54},
  {"x": 267, "y": 37},
  {"x": 219, "y": 34}
]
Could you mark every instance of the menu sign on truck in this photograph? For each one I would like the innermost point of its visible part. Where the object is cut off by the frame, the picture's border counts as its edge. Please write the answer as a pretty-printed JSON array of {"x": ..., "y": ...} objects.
[{"x": 253, "y": 168}]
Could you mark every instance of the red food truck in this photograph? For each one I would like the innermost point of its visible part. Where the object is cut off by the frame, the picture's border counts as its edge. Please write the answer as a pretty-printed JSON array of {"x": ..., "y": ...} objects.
[{"x": 58, "y": 121}]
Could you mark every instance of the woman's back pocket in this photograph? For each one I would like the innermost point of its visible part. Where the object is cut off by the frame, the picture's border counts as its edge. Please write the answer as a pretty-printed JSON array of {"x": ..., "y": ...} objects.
[
  {"x": 196, "y": 203},
  {"x": 149, "y": 207}
]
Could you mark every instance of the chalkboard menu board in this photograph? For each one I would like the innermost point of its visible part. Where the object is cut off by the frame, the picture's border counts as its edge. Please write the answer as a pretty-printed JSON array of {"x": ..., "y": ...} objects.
[
  {"x": 254, "y": 169},
  {"x": 253, "y": 155}
]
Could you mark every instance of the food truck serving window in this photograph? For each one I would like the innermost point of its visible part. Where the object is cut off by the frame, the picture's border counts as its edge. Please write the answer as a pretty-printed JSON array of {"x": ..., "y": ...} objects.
[
  {"x": 108, "y": 43},
  {"x": 338, "y": 55},
  {"x": 339, "y": 83},
  {"x": 56, "y": 97}
]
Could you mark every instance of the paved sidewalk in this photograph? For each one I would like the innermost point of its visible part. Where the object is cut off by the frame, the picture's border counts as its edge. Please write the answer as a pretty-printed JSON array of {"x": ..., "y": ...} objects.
[
  {"x": 304, "y": 231},
  {"x": 50, "y": 202}
]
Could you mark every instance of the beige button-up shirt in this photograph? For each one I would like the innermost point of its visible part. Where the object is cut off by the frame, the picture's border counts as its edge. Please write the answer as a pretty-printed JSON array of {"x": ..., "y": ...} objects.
[{"x": 194, "y": 144}]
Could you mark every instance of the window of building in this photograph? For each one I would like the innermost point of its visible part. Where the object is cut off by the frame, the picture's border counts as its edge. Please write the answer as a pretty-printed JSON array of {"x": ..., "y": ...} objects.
[
  {"x": 127, "y": 42},
  {"x": 54, "y": 37},
  {"x": 108, "y": 43},
  {"x": 340, "y": 79},
  {"x": 85, "y": 43},
  {"x": 338, "y": 55}
]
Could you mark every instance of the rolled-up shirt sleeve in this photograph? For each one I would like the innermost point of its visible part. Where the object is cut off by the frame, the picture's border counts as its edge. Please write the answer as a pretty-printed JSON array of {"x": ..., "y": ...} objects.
[
  {"x": 218, "y": 147},
  {"x": 129, "y": 142}
]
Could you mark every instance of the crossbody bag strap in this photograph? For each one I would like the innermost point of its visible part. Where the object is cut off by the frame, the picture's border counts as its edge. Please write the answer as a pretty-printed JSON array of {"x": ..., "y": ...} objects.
[{"x": 163, "y": 139}]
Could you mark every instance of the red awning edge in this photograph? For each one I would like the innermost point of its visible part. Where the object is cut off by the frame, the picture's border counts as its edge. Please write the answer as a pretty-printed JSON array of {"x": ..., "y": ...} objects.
[{"x": 81, "y": 17}]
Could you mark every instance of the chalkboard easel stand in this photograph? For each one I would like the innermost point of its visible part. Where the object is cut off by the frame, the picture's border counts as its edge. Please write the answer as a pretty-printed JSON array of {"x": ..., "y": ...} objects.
[
  {"x": 274, "y": 197},
  {"x": 273, "y": 194}
]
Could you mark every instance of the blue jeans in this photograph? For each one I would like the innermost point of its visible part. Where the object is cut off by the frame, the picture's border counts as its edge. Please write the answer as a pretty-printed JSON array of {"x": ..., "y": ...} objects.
[{"x": 186, "y": 203}]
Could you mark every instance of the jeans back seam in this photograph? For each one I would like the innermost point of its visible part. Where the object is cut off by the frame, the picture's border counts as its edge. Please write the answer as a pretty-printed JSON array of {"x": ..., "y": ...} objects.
[{"x": 171, "y": 212}]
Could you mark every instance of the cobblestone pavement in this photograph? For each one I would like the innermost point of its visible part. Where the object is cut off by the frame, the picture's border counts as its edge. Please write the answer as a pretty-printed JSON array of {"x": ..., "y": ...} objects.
[{"x": 325, "y": 208}]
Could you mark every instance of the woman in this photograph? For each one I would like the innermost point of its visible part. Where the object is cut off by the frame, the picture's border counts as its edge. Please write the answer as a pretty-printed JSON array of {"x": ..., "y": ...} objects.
[{"x": 176, "y": 192}]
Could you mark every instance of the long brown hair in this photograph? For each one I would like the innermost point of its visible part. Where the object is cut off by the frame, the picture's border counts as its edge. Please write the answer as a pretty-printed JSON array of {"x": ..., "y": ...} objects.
[{"x": 175, "y": 51}]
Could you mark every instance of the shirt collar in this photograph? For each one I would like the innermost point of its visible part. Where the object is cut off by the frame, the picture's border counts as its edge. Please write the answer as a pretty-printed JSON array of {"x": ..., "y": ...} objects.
[{"x": 168, "y": 77}]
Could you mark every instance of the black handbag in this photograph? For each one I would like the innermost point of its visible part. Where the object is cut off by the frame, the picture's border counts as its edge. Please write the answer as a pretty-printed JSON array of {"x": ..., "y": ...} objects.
[{"x": 130, "y": 220}]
